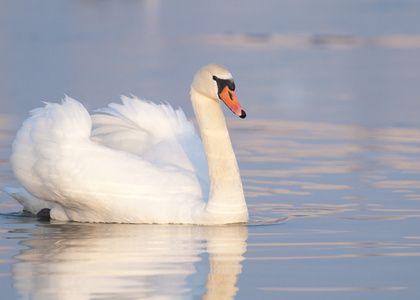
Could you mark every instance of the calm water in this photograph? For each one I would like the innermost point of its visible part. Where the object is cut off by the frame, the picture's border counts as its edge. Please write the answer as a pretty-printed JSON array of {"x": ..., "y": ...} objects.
[{"x": 329, "y": 153}]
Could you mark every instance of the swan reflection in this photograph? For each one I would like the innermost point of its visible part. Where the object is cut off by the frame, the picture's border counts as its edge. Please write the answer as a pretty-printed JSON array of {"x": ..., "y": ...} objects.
[{"x": 116, "y": 261}]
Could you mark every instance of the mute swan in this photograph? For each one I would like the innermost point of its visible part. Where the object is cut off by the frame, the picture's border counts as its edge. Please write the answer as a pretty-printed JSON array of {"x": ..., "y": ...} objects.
[{"x": 141, "y": 163}]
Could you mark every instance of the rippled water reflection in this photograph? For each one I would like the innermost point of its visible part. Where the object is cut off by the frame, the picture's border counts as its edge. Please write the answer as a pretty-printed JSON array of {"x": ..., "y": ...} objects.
[
  {"x": 128, "y": 261},
  {"x": 330, "y": 169}
]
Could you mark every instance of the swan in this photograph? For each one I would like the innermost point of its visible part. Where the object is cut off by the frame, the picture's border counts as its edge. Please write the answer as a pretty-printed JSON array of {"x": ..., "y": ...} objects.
[{"x": 134, "y": 162}]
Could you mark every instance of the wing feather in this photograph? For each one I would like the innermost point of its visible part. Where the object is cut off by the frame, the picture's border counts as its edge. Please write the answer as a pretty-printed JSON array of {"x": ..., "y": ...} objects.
[{"x": 55, "y": 160}]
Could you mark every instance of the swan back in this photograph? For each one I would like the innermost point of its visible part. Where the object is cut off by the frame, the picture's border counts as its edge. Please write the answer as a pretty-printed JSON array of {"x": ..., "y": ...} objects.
[
  {"x": 156, "y": 132},
  {"x": 137, "y": 125}
]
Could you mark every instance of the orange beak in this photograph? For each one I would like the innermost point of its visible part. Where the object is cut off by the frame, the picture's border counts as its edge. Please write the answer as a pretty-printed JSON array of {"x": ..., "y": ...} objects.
[{"x": 229, "y": 98}]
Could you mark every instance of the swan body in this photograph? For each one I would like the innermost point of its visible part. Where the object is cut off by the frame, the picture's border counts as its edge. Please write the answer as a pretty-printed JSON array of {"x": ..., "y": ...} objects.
[{"x": 135, "y": 162}]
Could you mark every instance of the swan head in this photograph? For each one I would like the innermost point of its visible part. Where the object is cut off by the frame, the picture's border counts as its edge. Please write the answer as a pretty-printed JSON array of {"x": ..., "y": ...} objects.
[{"x": 215, "y": 82}]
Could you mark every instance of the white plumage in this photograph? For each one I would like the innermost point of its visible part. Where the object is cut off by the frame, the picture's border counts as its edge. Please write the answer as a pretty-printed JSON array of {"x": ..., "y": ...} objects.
[{"x": 135, "y": 162}]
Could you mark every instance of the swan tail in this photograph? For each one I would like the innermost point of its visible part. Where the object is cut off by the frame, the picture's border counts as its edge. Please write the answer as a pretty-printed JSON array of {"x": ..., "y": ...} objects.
[{"x": 29, "y": 202}]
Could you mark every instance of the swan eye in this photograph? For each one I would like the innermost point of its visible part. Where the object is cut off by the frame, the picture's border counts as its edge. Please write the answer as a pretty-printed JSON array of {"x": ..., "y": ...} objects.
[{"x": 222, "y": 83}]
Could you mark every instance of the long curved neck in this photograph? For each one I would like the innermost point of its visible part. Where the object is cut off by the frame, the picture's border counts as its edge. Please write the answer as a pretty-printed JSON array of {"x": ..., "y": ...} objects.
[{"x": 226, "y": 192}]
